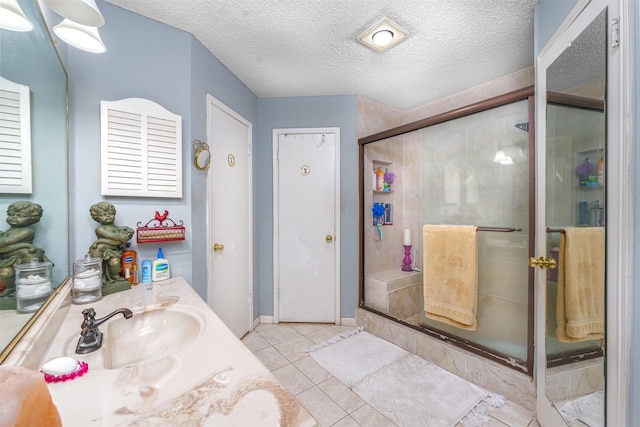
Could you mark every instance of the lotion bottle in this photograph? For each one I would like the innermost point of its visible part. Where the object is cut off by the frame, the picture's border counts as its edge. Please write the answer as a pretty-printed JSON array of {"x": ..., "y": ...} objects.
[{"x": 160, "y": 268}]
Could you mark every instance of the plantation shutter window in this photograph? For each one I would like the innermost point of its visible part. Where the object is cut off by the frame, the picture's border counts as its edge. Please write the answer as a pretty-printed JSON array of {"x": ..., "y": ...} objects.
[
  {"x": 141, "y": 149},
  {"x": 15, "y": 138}
]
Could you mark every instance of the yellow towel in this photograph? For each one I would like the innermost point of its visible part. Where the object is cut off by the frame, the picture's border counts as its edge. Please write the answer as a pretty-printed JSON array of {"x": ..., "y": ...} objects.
[
  {"x": 450, "y": 272},
  {"x": 580, "y": 303}
]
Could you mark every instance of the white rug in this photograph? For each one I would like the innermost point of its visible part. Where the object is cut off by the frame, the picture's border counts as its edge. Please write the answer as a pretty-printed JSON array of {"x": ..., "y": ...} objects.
[
  {"x": 403, "y": 387},
  {"x": 588, "y": 409}
]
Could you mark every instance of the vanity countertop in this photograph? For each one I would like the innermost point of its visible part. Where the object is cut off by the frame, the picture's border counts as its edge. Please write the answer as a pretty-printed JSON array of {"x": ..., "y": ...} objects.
[{"x": 213, "y": 381}]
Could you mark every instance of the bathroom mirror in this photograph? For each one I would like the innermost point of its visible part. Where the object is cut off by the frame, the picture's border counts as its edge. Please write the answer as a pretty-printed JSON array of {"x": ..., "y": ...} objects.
[
  {"x": 201, "y": 155},
  {"x": 30, "y": 59},
  {"x": 572, "y": 224}
]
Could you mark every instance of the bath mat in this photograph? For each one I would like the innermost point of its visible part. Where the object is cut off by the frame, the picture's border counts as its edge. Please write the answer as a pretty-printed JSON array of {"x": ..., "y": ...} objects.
[
  {"x": 588, "y": 409},
  {"x": 357, "y": 356},
  {"x": 403, "y": 387}
]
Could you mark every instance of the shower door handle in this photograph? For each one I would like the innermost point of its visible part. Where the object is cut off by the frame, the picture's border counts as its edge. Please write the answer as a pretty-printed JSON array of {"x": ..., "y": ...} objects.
[{"x": 542, "y": 262}]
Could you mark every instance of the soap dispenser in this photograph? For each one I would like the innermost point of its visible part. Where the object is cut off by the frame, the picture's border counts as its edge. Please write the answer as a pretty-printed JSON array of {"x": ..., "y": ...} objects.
[{"x": 160, "y": 268}]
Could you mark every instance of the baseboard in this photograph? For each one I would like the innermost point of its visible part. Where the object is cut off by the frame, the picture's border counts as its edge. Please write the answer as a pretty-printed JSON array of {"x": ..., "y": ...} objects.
[
  {"x": 265, "y": 319},
  {"x": 344, "y": 321},
  {"x": 348, "y": 321}
]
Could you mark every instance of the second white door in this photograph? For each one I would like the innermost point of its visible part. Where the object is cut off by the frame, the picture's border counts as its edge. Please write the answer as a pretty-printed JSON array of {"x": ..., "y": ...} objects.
[
  {"x": 230, "y": 217},
  {"x": 306, "y": 207}
]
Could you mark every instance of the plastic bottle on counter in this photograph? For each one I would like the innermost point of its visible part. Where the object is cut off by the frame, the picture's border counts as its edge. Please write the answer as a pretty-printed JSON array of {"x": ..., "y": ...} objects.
[
  {"x": 146, "y": 271},
  {"x": 129, "y": 259},
  {"x": 147, "y": 284},
  {"x": 160, "y": 268}
]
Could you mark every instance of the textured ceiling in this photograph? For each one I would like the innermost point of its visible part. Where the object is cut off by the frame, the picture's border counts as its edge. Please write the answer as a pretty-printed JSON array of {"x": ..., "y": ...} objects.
[{"x": 308, "y": 47}]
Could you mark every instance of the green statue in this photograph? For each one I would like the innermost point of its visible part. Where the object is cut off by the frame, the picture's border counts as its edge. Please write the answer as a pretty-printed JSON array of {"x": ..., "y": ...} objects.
[
  {"x": 109, "y": 246},
  {"x": 16, "y": 244}
]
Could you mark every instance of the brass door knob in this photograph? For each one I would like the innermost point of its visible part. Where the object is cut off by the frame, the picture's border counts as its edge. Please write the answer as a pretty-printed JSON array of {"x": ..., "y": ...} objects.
[
  {"x": 329, "y": 238},
  {"x": 218, "y": 247},
  {"x": 542, "y": 262}
]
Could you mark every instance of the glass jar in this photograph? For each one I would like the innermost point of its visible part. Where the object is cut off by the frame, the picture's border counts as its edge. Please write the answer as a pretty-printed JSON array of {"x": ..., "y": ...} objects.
[
  {"x": 33, "y": 285},
  {"x": 87, "y": 280}
]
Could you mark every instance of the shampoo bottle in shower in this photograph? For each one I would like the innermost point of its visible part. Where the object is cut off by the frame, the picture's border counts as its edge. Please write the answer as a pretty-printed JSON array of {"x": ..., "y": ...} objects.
[
  {"x": 379, "y": 179},
  {"x": 160, "y": 268}
]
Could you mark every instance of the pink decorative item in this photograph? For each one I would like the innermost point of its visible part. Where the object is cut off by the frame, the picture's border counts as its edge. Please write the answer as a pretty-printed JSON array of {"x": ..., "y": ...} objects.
[
  {"x": 82, "y": 368},
  {"x": 406, "y": 262}
]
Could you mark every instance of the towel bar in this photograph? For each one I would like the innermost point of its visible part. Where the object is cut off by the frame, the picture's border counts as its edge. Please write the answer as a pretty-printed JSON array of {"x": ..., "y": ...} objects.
[
  {"x": 499, "y": 229},
  {"x": 561, "y": 230}
]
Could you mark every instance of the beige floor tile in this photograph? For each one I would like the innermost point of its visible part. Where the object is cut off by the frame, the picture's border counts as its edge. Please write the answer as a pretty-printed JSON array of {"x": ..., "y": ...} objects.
[
  {"x": 510, "y": 414},
  {"x": 293, "y": 380},
  {"x": 278, "y": 333},
  {"x": 341, "y": 394},
  {"x": 340, "y": 328},
  {"x": 312, "y": 370},
  {"x": 368, "y": 416},
  {"x": 282, "y": 349},
  {"x": 347, "y": 421},
  {"x": 296, "y": 348},
  {"x": 254, "y": 341},
  {"x": 322, "y": 335},
  {"x": 305, "y": 328},
  {"x": 321, "y": 407},
  {"x": 271, "y": 358}
]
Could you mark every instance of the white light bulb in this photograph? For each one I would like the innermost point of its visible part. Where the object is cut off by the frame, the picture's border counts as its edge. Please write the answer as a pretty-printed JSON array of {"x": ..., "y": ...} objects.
[{"x": 382, "y": 37}]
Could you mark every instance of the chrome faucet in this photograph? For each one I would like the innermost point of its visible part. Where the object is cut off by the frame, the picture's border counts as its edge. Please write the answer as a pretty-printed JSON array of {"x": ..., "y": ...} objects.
[{"x": 90, "y": 336}]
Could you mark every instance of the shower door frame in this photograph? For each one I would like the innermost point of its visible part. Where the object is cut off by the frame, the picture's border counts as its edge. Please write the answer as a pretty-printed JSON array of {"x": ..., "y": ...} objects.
[{"x": 523, "y": 94}]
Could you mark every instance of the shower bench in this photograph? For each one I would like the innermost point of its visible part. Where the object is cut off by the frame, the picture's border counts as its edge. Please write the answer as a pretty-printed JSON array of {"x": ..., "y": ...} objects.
[{"x": 394, "y": 292}]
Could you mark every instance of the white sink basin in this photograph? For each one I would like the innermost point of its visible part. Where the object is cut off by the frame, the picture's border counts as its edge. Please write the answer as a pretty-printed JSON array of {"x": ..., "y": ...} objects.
[{"x": 149, "y": 336}]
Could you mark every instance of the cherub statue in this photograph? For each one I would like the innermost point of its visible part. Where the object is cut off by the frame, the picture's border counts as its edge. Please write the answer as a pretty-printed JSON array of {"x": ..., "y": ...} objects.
[
  {"x": 109, "y": 246},
  {"x": 16, "y": 243}
]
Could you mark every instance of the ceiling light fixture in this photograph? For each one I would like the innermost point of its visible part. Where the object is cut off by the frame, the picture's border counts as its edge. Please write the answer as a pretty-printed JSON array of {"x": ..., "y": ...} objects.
[
  {"x": 80, "y": 36},
  {"x": 382, "y": 38},
  {"x": 383, "y": 34},
  {"x": 13, "y": 18},
  {"x": 84, "y": 12}
]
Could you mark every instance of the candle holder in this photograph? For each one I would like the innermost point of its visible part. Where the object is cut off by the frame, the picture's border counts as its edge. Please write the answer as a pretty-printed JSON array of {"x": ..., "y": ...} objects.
[{"x": 406, "y": 262}]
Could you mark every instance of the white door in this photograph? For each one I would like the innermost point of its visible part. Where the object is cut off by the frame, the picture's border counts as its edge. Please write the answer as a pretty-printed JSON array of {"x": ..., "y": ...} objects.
[
  {"x": 306, "y": 224},
  {"x": 230, "y": 278}
]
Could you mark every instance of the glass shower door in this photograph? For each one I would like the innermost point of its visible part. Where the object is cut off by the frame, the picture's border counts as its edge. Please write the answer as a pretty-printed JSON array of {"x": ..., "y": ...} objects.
[{"x": 475, "y": 171}]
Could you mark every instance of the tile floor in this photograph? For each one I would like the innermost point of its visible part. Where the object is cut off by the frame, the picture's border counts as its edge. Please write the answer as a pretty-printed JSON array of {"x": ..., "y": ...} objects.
[{"x": 282, "y": 349}]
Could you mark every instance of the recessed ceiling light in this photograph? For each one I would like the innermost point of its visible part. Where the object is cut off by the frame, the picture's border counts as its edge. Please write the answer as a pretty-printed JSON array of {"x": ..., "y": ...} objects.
[{"x": 383, "y": 34}]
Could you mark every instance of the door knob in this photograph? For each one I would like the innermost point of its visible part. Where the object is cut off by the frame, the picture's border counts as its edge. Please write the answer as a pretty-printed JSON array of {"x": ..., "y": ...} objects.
[
  {"x": 218, "y": 247},
  {"x": 542, "y": 262},
  {"x": 329, "y": 238}
]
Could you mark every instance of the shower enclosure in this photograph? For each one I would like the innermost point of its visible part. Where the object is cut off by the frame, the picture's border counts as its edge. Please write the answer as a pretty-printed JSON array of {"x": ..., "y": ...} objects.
[{"x": 472, "y": 166}]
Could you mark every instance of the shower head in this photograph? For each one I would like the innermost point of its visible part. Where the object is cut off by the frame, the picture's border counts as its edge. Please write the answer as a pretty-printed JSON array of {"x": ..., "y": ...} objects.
[{"x": 523, "y": 126}]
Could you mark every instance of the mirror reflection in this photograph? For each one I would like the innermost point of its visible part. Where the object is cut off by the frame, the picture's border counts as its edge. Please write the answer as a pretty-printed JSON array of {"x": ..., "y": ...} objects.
[
  {"x": 28, "y": 58},
  {"x": 576, "y": 220}
]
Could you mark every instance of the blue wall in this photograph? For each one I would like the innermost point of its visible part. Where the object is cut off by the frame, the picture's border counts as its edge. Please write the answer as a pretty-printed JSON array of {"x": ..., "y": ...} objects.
[
  {"x": 144, "y": 59},
  {"x": 150, "y": 60},
  {"x": 309, "y": 112},
  {"x": 208, "y": 75}
]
